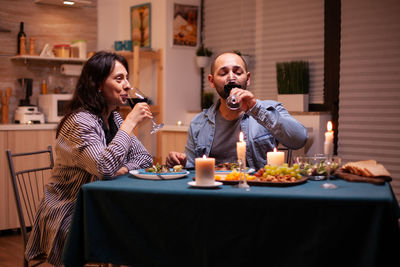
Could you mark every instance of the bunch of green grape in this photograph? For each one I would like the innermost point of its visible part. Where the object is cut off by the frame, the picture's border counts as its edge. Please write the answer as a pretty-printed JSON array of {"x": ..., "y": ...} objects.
[{"x": 284, "y": 169}]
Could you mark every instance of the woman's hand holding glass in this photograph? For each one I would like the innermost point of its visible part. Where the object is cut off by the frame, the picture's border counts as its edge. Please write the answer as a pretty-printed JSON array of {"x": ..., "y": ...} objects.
[
  {"x": 136, "y": 96},
  {"x": 140, "y": 112}
]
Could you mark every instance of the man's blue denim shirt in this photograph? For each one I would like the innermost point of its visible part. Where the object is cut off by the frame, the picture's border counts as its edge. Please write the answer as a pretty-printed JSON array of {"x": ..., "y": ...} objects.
[{"x": 265, "y": 125}]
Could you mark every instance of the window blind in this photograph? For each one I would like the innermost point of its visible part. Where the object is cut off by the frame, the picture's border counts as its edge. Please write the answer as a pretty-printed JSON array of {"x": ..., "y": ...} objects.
[
  {"x": 291, "y": 30},
  {"x": 229, "y": 25},
  {"x": 270, "y": 31},
  {"x": 369, "y": 100}
]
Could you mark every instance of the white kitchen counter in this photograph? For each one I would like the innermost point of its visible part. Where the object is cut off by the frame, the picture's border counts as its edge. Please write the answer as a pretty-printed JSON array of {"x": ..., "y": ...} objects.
[
  {"x": 28, "y": 127},
  {"x": 53, "y": 126},
  {"x": 175, "y": 128}
]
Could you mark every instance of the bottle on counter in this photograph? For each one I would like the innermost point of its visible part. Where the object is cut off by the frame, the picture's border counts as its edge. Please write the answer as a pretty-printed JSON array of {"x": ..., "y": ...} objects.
[
  {"x": 21, "y": 39},
  {"x": 53, "y": 81},
  {"x": 44, "y": 87}
]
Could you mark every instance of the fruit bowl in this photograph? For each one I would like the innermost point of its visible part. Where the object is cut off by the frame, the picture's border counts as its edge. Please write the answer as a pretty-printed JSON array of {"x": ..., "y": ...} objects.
[{"x": 318, "y": 167}]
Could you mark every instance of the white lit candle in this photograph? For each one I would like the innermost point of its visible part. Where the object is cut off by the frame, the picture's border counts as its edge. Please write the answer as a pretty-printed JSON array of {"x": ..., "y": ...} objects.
[
  {"x": 328, "y": 145},
  {"x": 241, "y": 149},
  {"x": 204, "y": 170},
  {"x": 275, "y": 158}
]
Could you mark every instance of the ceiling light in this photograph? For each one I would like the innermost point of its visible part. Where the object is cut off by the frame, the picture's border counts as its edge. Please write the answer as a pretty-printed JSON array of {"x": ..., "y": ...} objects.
[{"x": 69, "y": 3}]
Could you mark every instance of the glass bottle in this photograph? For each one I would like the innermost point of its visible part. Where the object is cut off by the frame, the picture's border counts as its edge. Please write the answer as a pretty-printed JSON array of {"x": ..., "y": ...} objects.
[
  {"x": 21, "y": 33},
  {"x": 52, "y": 82}
]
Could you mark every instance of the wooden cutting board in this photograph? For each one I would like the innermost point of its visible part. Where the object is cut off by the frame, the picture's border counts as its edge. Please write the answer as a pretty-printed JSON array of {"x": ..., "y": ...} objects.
[{"x": 357, "y": 178}]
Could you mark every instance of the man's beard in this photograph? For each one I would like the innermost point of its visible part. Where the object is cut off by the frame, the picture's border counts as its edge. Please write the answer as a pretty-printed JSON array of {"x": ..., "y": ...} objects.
[{"x": 228, "y": 87}]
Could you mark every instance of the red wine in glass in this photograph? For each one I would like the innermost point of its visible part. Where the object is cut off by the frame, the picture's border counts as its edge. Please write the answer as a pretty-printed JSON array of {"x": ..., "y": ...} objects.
[
  {"x": 141, "y": 98},
  {"x": 133, "y": 101},
  {"x": 232, "y": 101}
]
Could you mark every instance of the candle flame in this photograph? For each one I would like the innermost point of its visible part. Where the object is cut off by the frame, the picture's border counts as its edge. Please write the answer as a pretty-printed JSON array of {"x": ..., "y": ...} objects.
[
  {"x": 241, "y": 137},
  {"x": 204, "y": 157},
  {"x": 329, "y": 126},
  {"x": 275, "y": 150}
]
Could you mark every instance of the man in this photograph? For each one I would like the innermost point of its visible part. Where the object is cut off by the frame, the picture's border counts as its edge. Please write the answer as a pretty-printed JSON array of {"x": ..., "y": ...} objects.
[{"x": 215, "y": 131}]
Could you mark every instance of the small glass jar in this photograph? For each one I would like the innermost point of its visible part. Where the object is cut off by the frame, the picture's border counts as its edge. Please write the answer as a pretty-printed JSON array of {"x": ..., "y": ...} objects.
[{"x": 62, "y": 50}]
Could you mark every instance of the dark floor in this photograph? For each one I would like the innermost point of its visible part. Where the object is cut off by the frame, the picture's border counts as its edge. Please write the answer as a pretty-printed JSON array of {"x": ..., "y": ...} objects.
[{"x": 11, "y": 249}]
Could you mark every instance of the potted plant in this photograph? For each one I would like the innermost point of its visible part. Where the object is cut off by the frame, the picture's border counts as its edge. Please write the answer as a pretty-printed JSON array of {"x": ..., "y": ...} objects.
[
  {"x": 207, "y": 100},
  {"x": 203, "y": 56},
  {"x": 293, "y": 84}
]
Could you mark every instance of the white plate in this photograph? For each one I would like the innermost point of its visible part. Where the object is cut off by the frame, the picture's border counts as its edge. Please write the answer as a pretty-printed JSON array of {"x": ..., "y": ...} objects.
[
  {"x": 155, "y": 176},
  {"x": 193, "y": 183}
]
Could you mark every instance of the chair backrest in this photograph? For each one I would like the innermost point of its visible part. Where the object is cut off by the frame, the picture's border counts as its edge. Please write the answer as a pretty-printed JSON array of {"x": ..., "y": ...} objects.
[
  {"x": 29, "y": 183},
  {"x": 288, "y": 153}
]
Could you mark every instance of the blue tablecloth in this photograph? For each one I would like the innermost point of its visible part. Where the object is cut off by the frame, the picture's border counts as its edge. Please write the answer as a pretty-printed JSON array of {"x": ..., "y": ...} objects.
[{"x": 168, "y": 223}]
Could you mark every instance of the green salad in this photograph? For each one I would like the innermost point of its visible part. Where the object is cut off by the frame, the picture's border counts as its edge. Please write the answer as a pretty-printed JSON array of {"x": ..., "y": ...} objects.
[
  {"x": 159, "y": 168},
  {"x": 317, "y": 169}
]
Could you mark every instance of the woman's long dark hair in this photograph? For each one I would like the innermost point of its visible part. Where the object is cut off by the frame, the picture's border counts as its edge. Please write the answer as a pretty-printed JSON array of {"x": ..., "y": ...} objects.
[{"x": 87, "y": 95}]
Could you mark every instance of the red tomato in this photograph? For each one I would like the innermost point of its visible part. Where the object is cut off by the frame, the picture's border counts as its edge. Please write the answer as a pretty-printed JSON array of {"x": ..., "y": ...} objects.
[{"x": 259, "y": 173}]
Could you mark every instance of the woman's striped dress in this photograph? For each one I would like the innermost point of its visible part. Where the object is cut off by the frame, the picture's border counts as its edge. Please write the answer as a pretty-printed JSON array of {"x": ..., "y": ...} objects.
[{"x": 82, "y": 156}]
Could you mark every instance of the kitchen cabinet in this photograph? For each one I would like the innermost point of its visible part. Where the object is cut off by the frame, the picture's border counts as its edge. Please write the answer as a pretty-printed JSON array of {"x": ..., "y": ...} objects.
[
  {"x": 173, "y": 138},
  {"x": 19, "y": 141},
  {"x": 4, "y": 182}
]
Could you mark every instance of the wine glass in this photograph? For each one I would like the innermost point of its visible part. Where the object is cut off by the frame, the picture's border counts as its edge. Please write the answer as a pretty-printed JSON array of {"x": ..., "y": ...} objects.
[
  {"x": 332, "y": 164},
  {"x": 137, "y": 96},
  {"x": 232, "y": 101},
  {"x": 242, "y": 176}
]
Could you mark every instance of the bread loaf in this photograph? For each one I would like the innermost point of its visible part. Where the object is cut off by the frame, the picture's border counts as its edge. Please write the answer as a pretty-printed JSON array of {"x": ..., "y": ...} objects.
[{"x": 366, "y": 168}]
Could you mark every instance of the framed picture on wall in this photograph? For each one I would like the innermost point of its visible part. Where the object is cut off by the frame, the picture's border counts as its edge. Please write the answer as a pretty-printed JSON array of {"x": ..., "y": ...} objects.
[
  {"x": 141, "y": 25},
  {"x": 185, "y": 25}
]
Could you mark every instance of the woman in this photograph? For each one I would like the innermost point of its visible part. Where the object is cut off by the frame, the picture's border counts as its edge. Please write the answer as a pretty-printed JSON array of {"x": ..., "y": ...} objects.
[{"x": 93, "y": 143}]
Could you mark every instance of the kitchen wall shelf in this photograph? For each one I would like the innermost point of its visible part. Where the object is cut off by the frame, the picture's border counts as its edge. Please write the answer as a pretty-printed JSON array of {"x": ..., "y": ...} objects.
[{"x": 28, "y": 58}]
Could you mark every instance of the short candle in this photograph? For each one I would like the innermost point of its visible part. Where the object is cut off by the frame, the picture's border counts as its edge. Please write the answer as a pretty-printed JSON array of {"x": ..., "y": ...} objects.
[
  {"x": 275, "y": 158},
  {"x": 204, "y": 170},
  {"x": 328, "y": 144}
]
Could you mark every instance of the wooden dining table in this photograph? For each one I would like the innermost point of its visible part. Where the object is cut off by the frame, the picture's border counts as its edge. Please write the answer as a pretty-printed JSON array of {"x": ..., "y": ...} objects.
[{"x": 142, "y": 222}]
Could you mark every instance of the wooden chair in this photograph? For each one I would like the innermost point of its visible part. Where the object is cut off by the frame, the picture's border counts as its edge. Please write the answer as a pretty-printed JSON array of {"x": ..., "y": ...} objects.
[{"x": 28, "y": 184}]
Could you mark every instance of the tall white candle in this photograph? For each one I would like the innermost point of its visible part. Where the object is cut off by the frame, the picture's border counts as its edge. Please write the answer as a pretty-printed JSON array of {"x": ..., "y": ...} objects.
[
  {"x": 275, "y": 158},
  {"x": 328, "y": 144},
  {"x": 241, "y": 149},
  {"x": 204, "y": 170}
]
